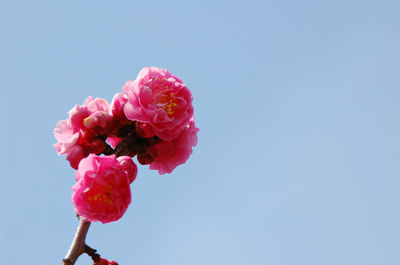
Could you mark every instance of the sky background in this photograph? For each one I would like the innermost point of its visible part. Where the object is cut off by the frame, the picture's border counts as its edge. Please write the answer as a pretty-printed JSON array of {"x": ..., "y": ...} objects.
[{"x": 299, "y": 145}]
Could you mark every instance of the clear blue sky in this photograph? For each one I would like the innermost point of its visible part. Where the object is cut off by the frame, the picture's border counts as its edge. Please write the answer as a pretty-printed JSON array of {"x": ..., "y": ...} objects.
[{"x": 299, "y": 143}]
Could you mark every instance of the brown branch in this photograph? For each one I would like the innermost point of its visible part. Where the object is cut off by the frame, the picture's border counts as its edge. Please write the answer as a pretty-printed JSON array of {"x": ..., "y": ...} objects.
[
  {"x": 120, "y": 150},
  {"x": 108, "y": 150},
  {"x": 92, "y": 253},
  {"x": 78, "y": 244}
]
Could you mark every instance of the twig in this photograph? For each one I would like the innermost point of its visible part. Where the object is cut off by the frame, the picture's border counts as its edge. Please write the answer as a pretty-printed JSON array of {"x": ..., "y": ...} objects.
[
  {"x": 92, "y": 253},
  {"x": 78, "y": 244}
]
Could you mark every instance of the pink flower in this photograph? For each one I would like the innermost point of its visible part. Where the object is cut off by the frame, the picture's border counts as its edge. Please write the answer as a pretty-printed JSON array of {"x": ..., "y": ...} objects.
[
  {"x": 68, "y": 143},
  {"x": 168, "y": 155},
  {"x": 129, "y": 167},
  {"x": 117, "y": 107},
  {"x": 102, "y": 192},
  {"x": 82, "y": 133},
  {"x": 94, "y": 114},
  {"x": 160, "y": 99}
]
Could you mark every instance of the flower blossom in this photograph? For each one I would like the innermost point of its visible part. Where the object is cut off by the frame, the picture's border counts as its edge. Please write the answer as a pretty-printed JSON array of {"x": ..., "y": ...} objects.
[
  {"x": 82, "y": 133},
  {"x": 117, "y": 108},
  {"x": 102, "y": 191},
  {"x": 160, "y": 99},
  {"x": 167, "y": 155}
]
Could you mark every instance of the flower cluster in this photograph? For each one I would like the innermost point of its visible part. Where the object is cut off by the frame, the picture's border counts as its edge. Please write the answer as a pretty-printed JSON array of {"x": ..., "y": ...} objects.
[{"x": 152, "y": 120}]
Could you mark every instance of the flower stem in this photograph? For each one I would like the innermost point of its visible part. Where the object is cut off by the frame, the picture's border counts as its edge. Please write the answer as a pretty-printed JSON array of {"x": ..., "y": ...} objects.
[{"x": 78, "y": 244}]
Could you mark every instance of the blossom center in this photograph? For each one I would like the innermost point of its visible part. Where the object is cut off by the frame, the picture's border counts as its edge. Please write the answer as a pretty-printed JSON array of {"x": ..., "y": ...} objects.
[
  {"x": 163, "y": 95},
  {"x": 100, "y": 194}
]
